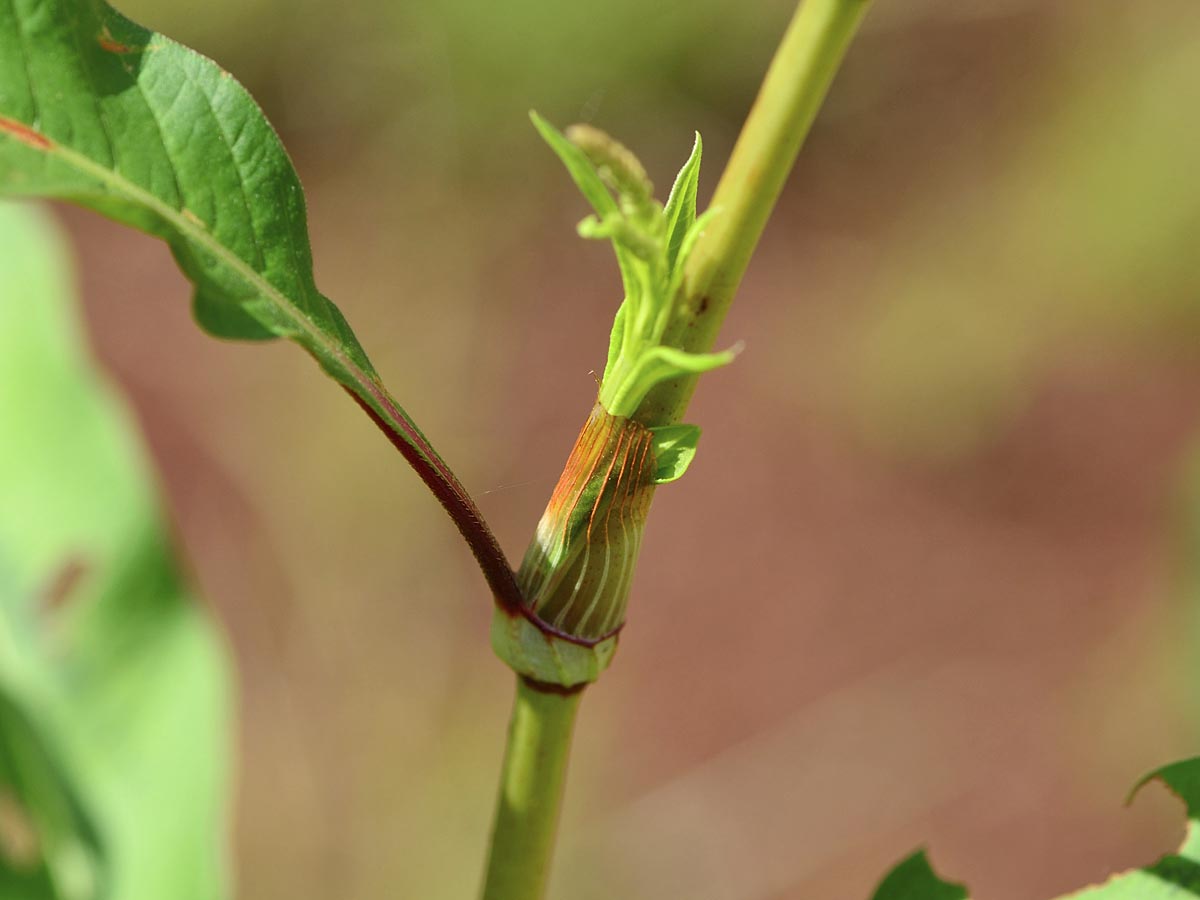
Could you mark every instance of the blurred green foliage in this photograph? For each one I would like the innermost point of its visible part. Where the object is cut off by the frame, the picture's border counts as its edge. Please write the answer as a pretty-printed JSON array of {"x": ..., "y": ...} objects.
[{"x": 114, "y": 690}]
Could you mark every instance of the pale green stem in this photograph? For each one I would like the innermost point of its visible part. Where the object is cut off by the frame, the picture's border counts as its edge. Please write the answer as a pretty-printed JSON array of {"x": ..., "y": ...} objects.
[
  {"x": 792, "y": 92},
  {"x": 531, "y": 787}
]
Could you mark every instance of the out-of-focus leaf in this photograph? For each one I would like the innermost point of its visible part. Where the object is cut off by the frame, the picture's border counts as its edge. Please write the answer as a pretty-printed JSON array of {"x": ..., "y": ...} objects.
[
  {"x": 914, "y": 879},
  {"x": 57, "y": 852},
  {"x": 1175, "y": 876},
  {"x": 100, "y": 111},
  {"x": 114, "y": 691}
]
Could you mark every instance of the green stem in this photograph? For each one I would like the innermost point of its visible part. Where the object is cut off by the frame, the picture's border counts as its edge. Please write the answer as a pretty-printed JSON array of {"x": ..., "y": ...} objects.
[
  {"x": 531, "y": 787},
  {"x": 791, "y": 94},
  {"x": 796, "y": 83}
]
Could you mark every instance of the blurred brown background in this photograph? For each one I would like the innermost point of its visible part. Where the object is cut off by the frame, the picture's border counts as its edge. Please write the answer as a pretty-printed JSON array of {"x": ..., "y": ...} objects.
[{"x": 927, "y": 580}]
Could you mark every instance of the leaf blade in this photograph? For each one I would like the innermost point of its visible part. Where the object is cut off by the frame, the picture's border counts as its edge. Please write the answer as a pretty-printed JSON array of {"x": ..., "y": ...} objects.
[
  {"x": 680, "y": 210},
  {"x": 156, "y": 136}
]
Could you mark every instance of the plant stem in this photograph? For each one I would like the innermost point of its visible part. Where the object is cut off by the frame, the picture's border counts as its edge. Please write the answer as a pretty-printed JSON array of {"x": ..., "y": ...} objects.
[
  {"x": 531, "y": 786},
  {"x": 791, "y": 94}
]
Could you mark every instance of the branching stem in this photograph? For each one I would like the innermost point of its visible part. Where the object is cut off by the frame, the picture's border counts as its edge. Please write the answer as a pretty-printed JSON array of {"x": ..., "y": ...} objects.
[{"x": 794, "y": 88}]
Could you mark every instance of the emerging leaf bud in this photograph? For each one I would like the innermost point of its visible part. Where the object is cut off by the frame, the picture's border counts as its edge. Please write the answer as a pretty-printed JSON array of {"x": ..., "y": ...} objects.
[
  {"x": 577, "y": 573},
  {"x": 615, "y": 162}
]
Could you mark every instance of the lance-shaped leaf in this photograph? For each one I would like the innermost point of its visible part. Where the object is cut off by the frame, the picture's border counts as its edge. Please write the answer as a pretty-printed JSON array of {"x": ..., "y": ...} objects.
[
  {"x": 680, "y": 210},
  {"x": 100, "y": 111}
]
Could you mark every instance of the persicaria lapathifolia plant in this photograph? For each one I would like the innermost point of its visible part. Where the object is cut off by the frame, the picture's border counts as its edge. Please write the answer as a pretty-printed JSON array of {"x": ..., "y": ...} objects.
[
  {"x": 577, "y": 573},
  {"x": 102, "y": 112}
]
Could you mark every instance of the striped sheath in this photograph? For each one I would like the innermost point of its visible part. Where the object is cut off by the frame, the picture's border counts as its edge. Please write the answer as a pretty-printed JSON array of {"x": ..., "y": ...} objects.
[{"x": 577, "y": 572}]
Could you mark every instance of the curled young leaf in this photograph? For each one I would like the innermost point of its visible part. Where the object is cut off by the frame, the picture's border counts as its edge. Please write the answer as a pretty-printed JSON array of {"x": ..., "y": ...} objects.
[
  {"x": 615, "y": 163},
  {"x": 652, "y": 243}
]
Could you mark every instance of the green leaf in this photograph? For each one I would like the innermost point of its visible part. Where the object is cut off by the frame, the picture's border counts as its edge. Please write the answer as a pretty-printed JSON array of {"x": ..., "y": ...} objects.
[
  {"x": 657, "y": 364},
  {"x": 914, "y": 879},
  {"x": 674, "y": 449},
  {"x": 616, "y": 337},
  {"x": 103, "y": 112},
  {"x": 1174, "y": 877},
  {"x": 687, "y": 244},
  {"x": 588, "y": 180},
  {"x": 18, "y": 884},
  {"x": 114, "y": 686},
  {"x": 680, "y": 210},
  {"x": 62, "y": 854},
  {"x": 580, "y": 168},
  {"x": 651, "y": 242}
]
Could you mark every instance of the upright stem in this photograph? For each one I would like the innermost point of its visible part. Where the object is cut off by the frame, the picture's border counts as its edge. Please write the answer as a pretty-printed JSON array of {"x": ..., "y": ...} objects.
[
  {"x": 791, "y": 94},
  {"x": 531, "y": 787}
]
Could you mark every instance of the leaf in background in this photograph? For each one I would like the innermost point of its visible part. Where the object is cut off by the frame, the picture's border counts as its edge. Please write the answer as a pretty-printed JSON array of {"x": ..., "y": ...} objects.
[
  {"x": 914, "y": 879},
  {"x": 1174, "y": 877},
  {"x": 100, "y": 111},
  {"x": 114, "y": 689},
  {"x": 52, "y": 848}
]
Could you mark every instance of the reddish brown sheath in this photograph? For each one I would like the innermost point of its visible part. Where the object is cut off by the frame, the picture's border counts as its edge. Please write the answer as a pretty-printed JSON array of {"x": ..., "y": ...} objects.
[{"x": 578, "y": 570}]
